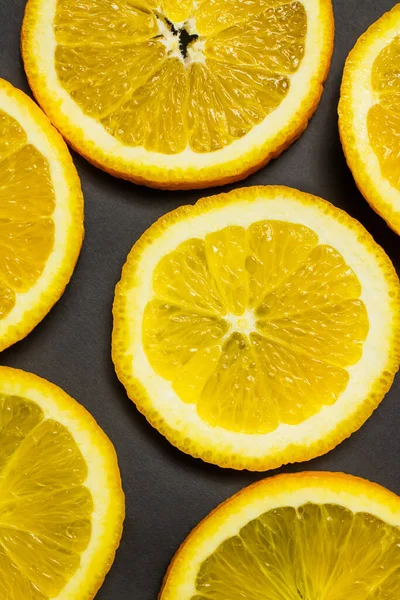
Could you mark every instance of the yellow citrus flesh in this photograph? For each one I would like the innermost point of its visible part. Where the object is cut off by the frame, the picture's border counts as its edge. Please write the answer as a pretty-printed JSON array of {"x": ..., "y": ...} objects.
[
  {"x": 52, "y": 520},
  {"x": 153, "y": 92},
  {"x": 27, "y": 201},
  {"x": 256, "y": 326},
  {"x": 313, "y": 551},
  {"x": 384, "y": 116},
  {"x": 45, "y": 508},
  {"x": 332, "y": 544}
]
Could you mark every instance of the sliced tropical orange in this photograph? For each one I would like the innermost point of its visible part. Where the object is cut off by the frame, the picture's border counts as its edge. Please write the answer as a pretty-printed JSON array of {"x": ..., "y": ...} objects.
[
  {"x": 308, "y": 536},
  {"x": 369, "y": 116},
  {"x": 41, "y": 215},
  {"x": 178, "y": 94},
  {"x": 61, "y": 501},
  {"x": 258, "y": 327}
]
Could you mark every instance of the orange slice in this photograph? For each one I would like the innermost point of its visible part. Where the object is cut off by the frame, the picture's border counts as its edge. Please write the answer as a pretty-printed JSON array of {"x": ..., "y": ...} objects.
[
  {"x": 257, "y": 328},
  {"x": 309, "y": 535},
  {"x": 61, "y": 502},
  {"x": 178, "y": 94},
  {"x": 369, "y": 118},
  {"x": 41, "y": 215}
]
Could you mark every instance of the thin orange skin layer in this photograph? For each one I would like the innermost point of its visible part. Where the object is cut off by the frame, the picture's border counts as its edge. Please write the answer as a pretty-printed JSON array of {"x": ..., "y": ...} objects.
[
  {"x": 348, "y": 138},
  {"x": 221, "y": 179},
  {"x": 336, "y": 482},
  {"x": 32, "y": 317},
  {"x": 102, "y": 562},
  {"x": 293, "y": 453},
  {"x": 177, "y": 179}
]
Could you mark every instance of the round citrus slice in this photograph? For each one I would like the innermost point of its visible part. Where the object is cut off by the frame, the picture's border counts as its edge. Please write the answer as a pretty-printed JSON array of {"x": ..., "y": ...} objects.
[
  {"x": 369, "y": 116},
  {"x": 61, "y": 501},
  {"x": 258, "y": 327},
  {"x": 178, "y": 94},
  {"x": 309, "y": 535},
  {"x": 41, "y": 215}
]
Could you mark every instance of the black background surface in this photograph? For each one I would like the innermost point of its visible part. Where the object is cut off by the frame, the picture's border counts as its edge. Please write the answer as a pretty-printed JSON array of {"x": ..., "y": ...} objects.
[{"x": 167, "y": 492}]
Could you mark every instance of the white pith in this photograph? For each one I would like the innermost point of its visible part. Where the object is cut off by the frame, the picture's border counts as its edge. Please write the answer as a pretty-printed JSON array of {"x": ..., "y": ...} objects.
[{"x": 245, "y": 324}]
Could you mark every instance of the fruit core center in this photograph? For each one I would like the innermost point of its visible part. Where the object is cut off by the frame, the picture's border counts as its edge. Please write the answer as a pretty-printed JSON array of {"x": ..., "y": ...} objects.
[
  {"x": 180, "y": 39},
  {"x": 185, "y": 39},
  {"x": 244, "y": 323}
]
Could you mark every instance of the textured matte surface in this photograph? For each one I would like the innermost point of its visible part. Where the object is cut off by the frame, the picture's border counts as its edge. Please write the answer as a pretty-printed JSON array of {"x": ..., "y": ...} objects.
[{"x": 167, "y": 492}]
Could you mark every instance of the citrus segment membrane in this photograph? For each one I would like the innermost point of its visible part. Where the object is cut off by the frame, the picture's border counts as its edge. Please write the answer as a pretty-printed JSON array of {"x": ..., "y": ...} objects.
[
  {"x": 383, "y": 118},
  {"x": 45, "y": 508},
  {"x": 197, "y": 75},
  {"x": 255, "y": 326},
  {"x": 27, "y": 202},
  {"x": 313, "y": 551}
]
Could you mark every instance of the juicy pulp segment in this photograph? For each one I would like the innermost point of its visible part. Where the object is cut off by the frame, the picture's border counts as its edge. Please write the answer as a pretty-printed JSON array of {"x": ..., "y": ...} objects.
[
  {"x": 255, "y": 326},
  {"x": 111, "y": 23},
  {"x": 173, "y": 335},
  {"x": 121, "y": 62},
  {"x": 27, "y": 202},
  {"x": 383, "y": 119},
  {"x": 45, "y": 508},
  {"x": 213, "y": 16},
  {"x": 177, "y": 11},
  {"x": 143, "y": 120},
  {"x": 269, "y": 40},
  {"x": 314, "y": 551}
]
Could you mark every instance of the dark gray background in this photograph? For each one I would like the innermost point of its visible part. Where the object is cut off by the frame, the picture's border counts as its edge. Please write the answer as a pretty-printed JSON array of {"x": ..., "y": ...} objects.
[{"x": 167, "y": 492}]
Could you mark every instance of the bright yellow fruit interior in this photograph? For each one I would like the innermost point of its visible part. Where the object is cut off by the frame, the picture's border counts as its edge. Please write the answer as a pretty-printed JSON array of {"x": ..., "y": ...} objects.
[
  {"x": 27, "y": 202},
  {"x": 45, "y": 509},
  {"x": 255, "y": 326},
  {"x": 178, "y": 73},
  {"x": 314, "y": 552},
  {"x": 384, "y": 116}
]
